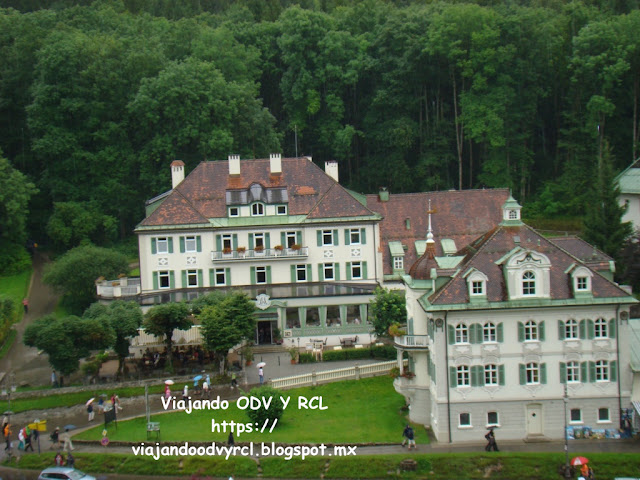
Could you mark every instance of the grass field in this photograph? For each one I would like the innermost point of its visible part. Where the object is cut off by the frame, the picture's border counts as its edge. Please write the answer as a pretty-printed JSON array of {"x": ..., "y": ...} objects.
[
  {"x": 16, "y": 287},
  {"x": 358, "y": 411},
  {"x": 458, "y": 466}
]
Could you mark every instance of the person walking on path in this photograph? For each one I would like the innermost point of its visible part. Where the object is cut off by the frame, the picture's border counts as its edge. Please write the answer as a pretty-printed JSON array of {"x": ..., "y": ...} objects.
[
  {"x": 59, "y": 460},
  {"x": 261, "y": 375},
  {"x": 491, "y": 441},
  {"x": 25, "y": 304},
  {"x": 55, "y": 438},
  {"x": 27, "y": 443},
  {"x": 66, "y": 438},
  {"x": 6, "y": 431},
  {"x": 408, "y": 437},
  {"x": 234, "y": 381},
  {"x": 90, "y": 412}
]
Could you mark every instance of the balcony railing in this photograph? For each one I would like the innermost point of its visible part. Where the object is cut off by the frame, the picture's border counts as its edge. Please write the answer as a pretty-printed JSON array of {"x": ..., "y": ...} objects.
[
  {"x": 413, "y": 341},
  {"x": 122, "y": 287},
  {"x": 270, "y": 253}
]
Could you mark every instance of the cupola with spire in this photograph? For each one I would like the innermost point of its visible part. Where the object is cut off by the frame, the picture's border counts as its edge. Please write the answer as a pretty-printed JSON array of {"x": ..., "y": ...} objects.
[{"x": 511, "y": 213}]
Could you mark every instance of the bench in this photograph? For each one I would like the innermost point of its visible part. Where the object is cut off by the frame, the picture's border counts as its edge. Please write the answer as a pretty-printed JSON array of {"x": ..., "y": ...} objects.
[
  {"x": 348, "y": 341},
  {"x": 153, "y": 427}
]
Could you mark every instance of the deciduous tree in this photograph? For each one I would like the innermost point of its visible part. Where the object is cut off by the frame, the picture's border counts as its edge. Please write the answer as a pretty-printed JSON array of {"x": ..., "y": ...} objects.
[
  {"x": 162, "y": 320},
  {"x": 387, "y": 308}
]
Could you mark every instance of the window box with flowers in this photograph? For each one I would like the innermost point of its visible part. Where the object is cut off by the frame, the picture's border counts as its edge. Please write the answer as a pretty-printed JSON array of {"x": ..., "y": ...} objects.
[
  {"x": 259, "y": 250},
  {"x": 241, "y": 251},
  {"x": 296, "y": 246},
  {"x": 227, "y": 252},
  {"x": 278, "y": 249}
]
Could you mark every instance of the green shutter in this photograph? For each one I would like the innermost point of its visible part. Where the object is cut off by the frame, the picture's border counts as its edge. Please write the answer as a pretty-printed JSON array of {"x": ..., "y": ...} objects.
[
  {"x": 154, "y": 250},
  {"x": 212, "y": 277},
  {"x": 182, "y": 248},
  {"x": 200, "y": 278},
  {"x": 170, "y": 244},
  {"x": 612, "y": 328},
  {"x": 613, "y": 371},
  {"x": 561, "y": 330},
  {"x": 309, "y": 273},
  {"x": 252, "y": 274},
  {"x": 321, "y": 272},
  {"x": 283, "y": 239},
  {"x": 582, "y": 329},
  {"x": 218, "y": 243},
  {"x": 336, "y": 271},
  {"x": 348, "y": 270},
  {"x": 453, "y": 377},
  {"x": 563, "y": 372},
  {"x": 474, "y": 375},
  {"x": 156, "y": 284},
  {"x": 319, "y": 234},
  {"x": 472, "y": 333},
  {"x": 500, "y": 330},
  {"x": 172, "y": 279},
  {"x": 501, "y": 378},
  {"x": 363, "y": 236},
  {"x": 251, "y": 241},
  {"x": 234, "y": 241},
  {"x": 269, "y": 275},
  {"x": 198, "y": 243},
  {"x": 452, "y": 334},
  {"x": 347, "y": 236},
  {"x": 543, "y": 373},
  {"x": 267, "y": 240},
  {"x": 523, "y": 373},
  {"x": 541, "y": 334},
  {"x": 584, "y": 372},
  {"x": 336, "y": 240},
  {"x": 299, "y": 238},
  {"x": 364, "y": 270},
  {"x": 592, "y": 372},
  {"x": 591, "y": 329},
  {"x": 520, "y": 332},
  {"x": 184, "y": 279},
  {"x": 294, "y": 277},
  {"x": 227, "y": 276}
]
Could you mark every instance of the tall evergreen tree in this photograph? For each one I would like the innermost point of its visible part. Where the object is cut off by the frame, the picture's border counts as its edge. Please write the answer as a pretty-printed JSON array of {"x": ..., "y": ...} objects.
[{"x": 603, "y": 224}]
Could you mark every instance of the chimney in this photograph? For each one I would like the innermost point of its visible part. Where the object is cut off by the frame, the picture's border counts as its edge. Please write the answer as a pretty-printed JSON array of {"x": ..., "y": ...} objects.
[
  {"x": 331, "y": 169},
  {"x": 177, "y": 173},
  {"x": 383, "y": 194},
  {"x": 275, "y": 160},
  {"x": 234, "y": 165}
]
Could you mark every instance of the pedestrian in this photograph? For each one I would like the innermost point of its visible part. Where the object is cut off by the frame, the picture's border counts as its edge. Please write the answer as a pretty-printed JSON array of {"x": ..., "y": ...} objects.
[
  {"x": 66, "y": 438},
  {"x": 408, "y": 437},
  {"x": 101, "y": 405},
  {"x": 59, "y": 460},
  {"x": 208, "y": 380},
  {"x": 117, "y": 400},
  {"x": 54, "y": 380},
  {"x": 55, "y": 438},
  {"x": 21, "y": 439},
  {"x": 6, "y": 431},
  {"x": 234, "y": 381},
  {"x": 167, "y": 391},
  {"x": 590, "y": 474},
  {"x": 491, "y": 441},
  {"x": 261, "y": 375},
  {"x": 25, "y": 304},
  {"x": 205, "y": 389},
  {"x": 27, "y": 443},
  {"x": 230, "y": 441},
  {"x": 90, "y": 411},
  {"x": 71, "y": 461},
  {"x": 185, "y": 393}
]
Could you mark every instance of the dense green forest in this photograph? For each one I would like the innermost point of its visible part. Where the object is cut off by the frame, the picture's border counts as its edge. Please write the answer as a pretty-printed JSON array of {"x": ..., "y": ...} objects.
[{"x": 97, "y": 98}]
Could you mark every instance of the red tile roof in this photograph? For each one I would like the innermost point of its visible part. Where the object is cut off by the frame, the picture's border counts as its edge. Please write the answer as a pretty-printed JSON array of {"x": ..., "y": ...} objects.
[
  {"x": 460, "y": 215},
  {"x": 202, "y": 193}
]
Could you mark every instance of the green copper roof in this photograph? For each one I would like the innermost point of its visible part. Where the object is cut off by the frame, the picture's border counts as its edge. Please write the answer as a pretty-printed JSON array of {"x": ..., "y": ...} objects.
[
  {"x": 448, "y": 262},
  {"x": 629, "y": 181},
  {"x": 448, "y": 246},
  {"x": 421, "y": 246},
  {"x": 395, "y": 249}
]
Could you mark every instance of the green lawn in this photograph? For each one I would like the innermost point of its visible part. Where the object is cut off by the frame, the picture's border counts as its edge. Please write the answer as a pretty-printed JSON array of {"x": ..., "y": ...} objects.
[
  {"x": 459, "y": 466},
  {"x": 359, "y": 411},
  {"x": 16, "y": 287}
]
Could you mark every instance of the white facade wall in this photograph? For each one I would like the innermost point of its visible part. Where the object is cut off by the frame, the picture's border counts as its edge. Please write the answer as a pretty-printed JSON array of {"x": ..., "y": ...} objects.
[{"x": 632, "y": 202}]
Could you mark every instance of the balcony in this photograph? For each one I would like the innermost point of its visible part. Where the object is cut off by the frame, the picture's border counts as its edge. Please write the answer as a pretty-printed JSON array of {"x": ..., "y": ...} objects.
[
  {"x": 122, "y": 287},
  {"x": 412, "y": 342},
  {"x": 267, "y": 253}
]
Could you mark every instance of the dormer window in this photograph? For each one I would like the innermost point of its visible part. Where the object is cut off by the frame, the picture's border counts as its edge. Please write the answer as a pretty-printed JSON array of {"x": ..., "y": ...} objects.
[
  {"x": 281, "y": 210},
  {"x": 476, "y": 284},
  {"x": 477, "y": 287},
  {"x": 581, "y": 278},
  {"x": 257, "y": 209},
  {"x": 234, "y": 212},
  {"x": 398, "y": 263},
  {"x": 582, "y": 284},
  {"x": 528, "y": 283},
  {"x": 513, "y": 215}
]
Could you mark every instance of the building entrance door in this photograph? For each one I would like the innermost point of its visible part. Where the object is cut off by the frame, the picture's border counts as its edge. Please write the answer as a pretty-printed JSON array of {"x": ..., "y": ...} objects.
[
  {"x": 534, "y": 419},
  {"x": 264, "y": 332}
]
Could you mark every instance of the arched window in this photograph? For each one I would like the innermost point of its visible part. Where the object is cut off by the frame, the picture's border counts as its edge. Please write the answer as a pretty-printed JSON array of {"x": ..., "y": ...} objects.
[
  {"x": 257, "y": 209},
  {"x": 489, "y": 332},
  {"x": 573, "y": 372},
  {"x": 462, "y": 333},
  {"x": 601, "y": 328},
  {"x": 529, "y": 283},
  {"x": 571, "y": 329},
  {"x": 530, "y": 331}
]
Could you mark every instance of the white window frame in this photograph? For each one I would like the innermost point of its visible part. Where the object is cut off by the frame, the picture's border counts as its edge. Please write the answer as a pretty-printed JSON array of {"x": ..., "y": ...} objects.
[
  {"x": 164, "y": 275},
  {"x": 356, "y": 270},
  {"x": 461, "y": 333},
  {"x": 301, "y": 273},
  {"x": 354, "y": 236},
  {"x": 234, "y": 211},
  {"x": 601, "y": 328},
  {"x": 190, "y": 244},
  {"x": 601, "y": 419},
  {"x": 491, "y": 375},
  {"x": 602, "y": 371},
  {"x": 281, "y": 209},
  {"x": 257, "y": 209},
  {"x": 571, "y": 330},
  {"x": 192, "y": 279},
  {"x": 477, "y": 287},
  {"x": 464, "y": 425},
  {"x": 220, "y": 273},
  {"x": 227, "y": 240},
  {"x": 329, "y": 271},
  {"x": 528, "y": 284},
  {"x": 573, "y": 372},
  {"x": 582, "y": 284},
  {"x": 261, "y": 271},
  {"x": 531, "y": 333},
  {"x": 463, "y": 376},
  {"x": 578, "y": 420},
  {"x": 327, "y": 238},
  {"x": 489, "y": 333},
  {"x": 398, "y": 263},
  {"x": 513, "y": 215},
  {"x": 259, "y": 240},
  {"x": 532, "y": 371},
  {"x": 489, "y": 422},
  {"x": 162, "y": 245}
]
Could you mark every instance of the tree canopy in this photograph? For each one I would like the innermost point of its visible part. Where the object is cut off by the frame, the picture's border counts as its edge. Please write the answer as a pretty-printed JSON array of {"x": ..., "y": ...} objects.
[
  {"x": 162, "y": 320},
  {"x": 387, "y": 308}
]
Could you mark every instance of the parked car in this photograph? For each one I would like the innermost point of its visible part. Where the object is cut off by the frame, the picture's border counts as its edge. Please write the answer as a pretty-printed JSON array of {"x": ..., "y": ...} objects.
[{"x": 64, "y": 473}]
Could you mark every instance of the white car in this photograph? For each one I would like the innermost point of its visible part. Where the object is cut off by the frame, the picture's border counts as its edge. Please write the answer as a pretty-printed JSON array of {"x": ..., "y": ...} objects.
[{"x": 64, "y": 473}]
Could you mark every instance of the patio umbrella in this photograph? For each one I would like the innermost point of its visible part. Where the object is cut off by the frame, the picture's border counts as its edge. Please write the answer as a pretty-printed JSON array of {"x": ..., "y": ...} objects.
[
  {"x": 261, "y": 364},
  {"x": 169, "y": 382},
  {"x": 90, "y": 401},
  {"x": 579, "y": 461}
]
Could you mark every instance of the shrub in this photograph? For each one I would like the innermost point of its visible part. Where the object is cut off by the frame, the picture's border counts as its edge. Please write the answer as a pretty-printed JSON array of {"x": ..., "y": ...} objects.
[
  {"x": 13, "y": 258},
  {"x": 306, "y": 358},
  {"x": 262, "y": 414}
]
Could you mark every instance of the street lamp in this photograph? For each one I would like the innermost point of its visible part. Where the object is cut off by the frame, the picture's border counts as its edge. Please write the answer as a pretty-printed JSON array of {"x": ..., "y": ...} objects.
[{"x": 567, "y": 468}]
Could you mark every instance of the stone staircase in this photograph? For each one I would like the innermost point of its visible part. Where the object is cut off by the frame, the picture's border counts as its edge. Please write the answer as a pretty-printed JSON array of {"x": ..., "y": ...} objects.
[{"x": 258, "y": 349}]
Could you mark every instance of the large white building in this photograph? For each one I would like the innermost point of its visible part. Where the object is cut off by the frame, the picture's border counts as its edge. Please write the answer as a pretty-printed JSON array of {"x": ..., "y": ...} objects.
[
  {"x": 629, "y": 183},
  {"x": 501, "y": 329}
]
